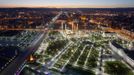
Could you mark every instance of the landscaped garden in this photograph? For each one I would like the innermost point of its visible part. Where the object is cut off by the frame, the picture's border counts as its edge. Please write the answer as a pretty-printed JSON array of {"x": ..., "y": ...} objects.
[{"x": 117, "y": 68}]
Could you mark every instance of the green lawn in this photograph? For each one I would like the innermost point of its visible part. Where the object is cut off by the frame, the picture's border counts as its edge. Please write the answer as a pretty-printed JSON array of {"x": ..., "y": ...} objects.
[{"x": 117, "y": 68}]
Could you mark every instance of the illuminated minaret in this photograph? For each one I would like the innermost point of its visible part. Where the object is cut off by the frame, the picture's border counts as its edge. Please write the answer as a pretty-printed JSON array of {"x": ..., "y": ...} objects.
[
  {"x": 65, "y": 26},
  {"x": 72, "y": 26},
  {"x": 62, "y": 26},
  {"x": 77, "y": 27}
]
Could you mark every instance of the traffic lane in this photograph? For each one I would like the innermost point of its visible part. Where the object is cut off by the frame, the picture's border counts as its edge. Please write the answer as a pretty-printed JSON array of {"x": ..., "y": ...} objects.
[{"x": 14, "y": 66}]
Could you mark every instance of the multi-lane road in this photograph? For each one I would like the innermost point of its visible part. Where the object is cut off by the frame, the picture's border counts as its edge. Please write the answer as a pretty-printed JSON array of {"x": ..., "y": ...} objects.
[{"x": 15, "y": 66}]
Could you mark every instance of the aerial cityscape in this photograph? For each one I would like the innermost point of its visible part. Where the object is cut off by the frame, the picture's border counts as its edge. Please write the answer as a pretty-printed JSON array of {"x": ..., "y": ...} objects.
[{"x": 66, "y": 37}]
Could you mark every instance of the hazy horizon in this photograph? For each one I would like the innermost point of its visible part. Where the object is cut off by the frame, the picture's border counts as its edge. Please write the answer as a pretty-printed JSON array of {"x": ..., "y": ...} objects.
[{"x": 67, "y": 3}]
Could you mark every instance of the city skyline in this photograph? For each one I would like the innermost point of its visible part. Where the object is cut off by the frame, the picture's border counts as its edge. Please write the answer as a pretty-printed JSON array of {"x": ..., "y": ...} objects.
[{"x": 68, "y": 3}]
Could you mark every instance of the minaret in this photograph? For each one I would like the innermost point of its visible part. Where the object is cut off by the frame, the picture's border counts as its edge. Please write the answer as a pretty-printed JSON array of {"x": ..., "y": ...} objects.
[
  {"x": 77, "y": 27},
  {"x": 65, "y": 26},
  {"x": 72, "y": 26},
  {"x": 62, "y": 26}
]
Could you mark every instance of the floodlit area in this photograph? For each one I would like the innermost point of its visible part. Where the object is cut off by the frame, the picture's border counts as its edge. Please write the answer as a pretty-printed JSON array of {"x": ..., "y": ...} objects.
[{"x": 60, "y": 54}]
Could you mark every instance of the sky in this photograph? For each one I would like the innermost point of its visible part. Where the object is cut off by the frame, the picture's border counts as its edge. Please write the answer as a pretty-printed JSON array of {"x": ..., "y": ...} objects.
[{"x": 68, "y": 3}]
